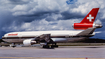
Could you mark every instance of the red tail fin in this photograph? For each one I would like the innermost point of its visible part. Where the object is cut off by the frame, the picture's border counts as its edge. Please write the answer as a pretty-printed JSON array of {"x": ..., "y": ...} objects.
[
  {"x": 90, "y": 17},
  {"x": 87, "y": 22}
]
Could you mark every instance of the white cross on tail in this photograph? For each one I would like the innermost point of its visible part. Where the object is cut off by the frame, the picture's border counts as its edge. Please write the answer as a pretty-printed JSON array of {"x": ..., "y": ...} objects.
[{"x": 90, "y": 18}]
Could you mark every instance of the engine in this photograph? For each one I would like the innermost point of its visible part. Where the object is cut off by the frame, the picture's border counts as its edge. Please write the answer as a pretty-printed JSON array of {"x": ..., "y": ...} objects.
[
  {"x": 29, "y": 42},
  {"x": 83, "y": 26}
]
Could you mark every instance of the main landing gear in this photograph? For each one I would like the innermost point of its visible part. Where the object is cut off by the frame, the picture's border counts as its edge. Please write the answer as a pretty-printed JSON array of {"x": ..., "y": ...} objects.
[
  {"x": 47, "y": 39},
  {"x": 50, "y": 46}
]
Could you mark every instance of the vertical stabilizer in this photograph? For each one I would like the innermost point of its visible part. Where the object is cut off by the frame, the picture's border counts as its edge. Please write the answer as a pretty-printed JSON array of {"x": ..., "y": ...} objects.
[
  {"x": 88, "y": 21},
  {"x": 90, "y": 17}
]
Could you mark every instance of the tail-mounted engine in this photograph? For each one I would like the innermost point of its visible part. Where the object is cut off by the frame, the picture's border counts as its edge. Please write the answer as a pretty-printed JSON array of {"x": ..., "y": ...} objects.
[{"x": 83, "y": 26}]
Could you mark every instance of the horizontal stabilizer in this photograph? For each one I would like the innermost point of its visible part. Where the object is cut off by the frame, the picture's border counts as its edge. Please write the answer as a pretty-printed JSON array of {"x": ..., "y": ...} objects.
[{"x": 86, "y": 32}]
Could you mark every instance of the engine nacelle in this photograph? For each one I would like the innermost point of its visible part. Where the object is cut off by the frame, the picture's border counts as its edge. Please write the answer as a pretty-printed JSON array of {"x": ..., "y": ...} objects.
[
  {"x": 29, "y": 42},
  {"x": 83, "y": 26}
]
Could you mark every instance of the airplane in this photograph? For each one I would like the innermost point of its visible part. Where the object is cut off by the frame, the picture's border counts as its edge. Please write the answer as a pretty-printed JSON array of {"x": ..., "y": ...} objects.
[{"x": 48, "y": 39}]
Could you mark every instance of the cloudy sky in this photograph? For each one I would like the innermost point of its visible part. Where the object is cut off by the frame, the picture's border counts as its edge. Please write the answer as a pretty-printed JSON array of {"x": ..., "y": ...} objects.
[{"x": 35, "y": 15}]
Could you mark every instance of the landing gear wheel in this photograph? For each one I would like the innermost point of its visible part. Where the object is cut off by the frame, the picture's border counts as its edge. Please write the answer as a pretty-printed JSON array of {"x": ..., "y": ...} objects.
[
  {"x": 12, "y": 45},
  {"x": 52, "y": 46},
  {"x": 46, "y": 46}
]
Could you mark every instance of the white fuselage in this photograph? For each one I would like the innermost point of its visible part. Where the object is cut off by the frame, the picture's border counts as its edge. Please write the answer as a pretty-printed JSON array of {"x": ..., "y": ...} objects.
[
  {"x": 57, "y": 36},
  {"x": 38, "y": 33}
]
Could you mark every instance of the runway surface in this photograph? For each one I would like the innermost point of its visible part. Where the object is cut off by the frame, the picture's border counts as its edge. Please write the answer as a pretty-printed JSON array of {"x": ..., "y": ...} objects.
[{"x": 68, "y": 52}]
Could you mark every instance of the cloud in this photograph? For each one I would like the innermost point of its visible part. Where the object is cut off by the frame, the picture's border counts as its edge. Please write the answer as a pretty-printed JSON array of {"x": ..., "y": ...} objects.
[
  {"x": 15, "y": 2},
  {"x": 41, "y": 25},
  {"x": 35, "y": 7},
  {"x": 41, "y": 9},
  {"x": 86, "y": 7},
  {"x": 98, "y": 22}
]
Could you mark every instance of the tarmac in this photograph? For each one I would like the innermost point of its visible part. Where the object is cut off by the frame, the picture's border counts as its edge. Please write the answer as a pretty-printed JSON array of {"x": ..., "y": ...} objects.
[{"x": 62, "y": 52}]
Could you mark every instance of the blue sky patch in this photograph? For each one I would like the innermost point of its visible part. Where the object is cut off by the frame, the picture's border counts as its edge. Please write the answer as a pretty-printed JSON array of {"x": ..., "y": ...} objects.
[{"x": 71, "y": 1}]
